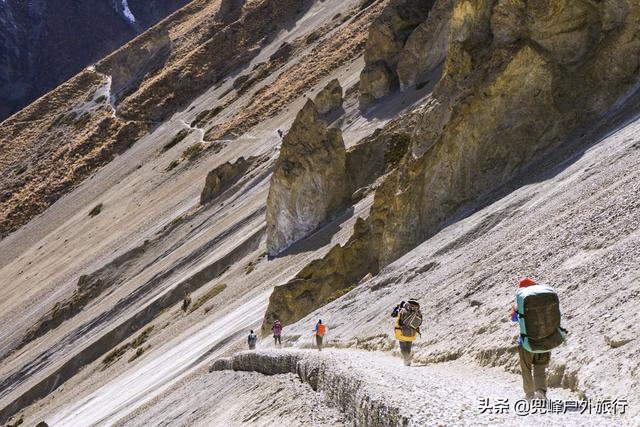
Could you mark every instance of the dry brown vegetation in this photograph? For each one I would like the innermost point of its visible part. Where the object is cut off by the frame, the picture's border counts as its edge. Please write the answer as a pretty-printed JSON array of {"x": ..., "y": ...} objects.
[
  {"x": 335, "y": 50},
  {"x": 208, "y": 296}
]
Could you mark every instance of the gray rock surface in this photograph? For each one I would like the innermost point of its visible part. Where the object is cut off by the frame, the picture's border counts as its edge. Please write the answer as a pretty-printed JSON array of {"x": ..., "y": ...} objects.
[
  {"x": 387, "y": 37},
  {"x": 309, "y": 184}
]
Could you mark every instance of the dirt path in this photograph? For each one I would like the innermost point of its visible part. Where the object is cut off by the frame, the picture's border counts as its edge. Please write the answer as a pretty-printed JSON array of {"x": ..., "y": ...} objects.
[{"x": 374, "y": 388}]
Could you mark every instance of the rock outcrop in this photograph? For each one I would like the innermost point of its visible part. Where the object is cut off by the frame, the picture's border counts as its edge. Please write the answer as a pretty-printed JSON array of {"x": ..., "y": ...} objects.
[
  {"x": 309, "y": 184},
  {"x": 323, "y": 280},
  {"x": 329, "y": 99},
  {"x": 387, "y": 37},
  {"x": 519, "y": 80},
  {"x": 223, "y": 177},
  {"x": 312, "y": 287},
  {"x": 426, "y": 47}
]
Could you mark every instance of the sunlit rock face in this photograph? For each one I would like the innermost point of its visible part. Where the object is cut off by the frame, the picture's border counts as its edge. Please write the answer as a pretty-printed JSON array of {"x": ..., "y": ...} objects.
[{"x": 309, "y": 184}]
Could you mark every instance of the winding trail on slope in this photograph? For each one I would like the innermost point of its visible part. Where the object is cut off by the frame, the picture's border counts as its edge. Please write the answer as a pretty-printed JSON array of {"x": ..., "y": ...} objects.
[
  {"x": 197, "y": 129},
  {"x": 372, "y": 388}
]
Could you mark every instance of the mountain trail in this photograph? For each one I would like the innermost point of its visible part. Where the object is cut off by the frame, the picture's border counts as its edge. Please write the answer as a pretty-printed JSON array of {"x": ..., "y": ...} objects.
[{"x": 374, "y": 388}]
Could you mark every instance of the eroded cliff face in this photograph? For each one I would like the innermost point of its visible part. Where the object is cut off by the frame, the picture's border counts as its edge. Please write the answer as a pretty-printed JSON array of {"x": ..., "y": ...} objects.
[
  {"x": 519, "y": 79},
  {"x": 45, "y": 43},
  {"x": 426, "y": 47},
  {"x": 309, "y": 183}
]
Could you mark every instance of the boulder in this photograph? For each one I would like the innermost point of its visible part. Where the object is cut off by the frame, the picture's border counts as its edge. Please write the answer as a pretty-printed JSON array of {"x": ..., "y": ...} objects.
[
  {"x": 329, "y": 99},
  {"x": 222, "y": 177},
  {"x": 309, "y": 186},
  {"x": 376, "y": 81}
]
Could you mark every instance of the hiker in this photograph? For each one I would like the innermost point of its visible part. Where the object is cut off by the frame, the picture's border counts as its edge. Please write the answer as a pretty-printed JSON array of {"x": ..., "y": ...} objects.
[
  {"x": 277, "y": 331},
  {"x": 251, "y": 340},
  {"x": 537, "y": 312},
  {"x": 397, "y": 308},
  {"x": 319, "y": 331},
  {"x": 407, "y": 328}
]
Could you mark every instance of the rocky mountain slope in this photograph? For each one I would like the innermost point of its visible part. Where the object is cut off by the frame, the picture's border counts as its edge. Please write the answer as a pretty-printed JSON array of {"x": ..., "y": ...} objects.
[
  {"x": 244, "y": 161},
  {"x": 43, "y": 43}
]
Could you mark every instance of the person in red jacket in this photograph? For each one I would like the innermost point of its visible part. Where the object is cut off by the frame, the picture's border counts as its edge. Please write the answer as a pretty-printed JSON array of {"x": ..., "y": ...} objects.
[
  {"x": 277, "y": 332},
  {"x": 319, "y": 331}
]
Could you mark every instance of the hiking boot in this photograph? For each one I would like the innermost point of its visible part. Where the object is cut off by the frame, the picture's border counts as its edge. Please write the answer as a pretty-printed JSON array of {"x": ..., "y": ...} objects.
[
  {"x": 528, "y": 397},
  {"x": 541, "y": 395}
]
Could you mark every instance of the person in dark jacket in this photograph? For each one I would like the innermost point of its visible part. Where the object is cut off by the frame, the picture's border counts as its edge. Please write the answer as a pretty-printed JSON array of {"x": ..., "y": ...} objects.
[{"x": 252, "y": 340}]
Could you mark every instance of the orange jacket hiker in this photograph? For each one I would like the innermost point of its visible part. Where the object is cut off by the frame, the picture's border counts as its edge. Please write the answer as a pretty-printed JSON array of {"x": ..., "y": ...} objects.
[{"x": 320, "y": 329}]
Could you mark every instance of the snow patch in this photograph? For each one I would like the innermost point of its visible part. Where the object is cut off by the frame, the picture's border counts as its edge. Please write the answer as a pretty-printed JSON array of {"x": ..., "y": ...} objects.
[{"x": 127, "y": 11}]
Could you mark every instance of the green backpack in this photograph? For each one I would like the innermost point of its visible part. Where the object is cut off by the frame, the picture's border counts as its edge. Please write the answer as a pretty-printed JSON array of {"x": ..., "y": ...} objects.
[{"x": 539, "y": 318}]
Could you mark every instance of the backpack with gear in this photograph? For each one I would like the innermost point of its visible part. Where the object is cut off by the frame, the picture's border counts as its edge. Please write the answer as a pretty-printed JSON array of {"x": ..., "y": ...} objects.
[
  {"x": 539, "y": 318},
  {"x": 411, "y": 318}
]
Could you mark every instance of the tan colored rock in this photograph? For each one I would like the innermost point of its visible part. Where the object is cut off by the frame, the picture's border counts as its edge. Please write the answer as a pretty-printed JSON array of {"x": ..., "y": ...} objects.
[
  {"x": 426, "y": 47},
  {"x": 506, "y": 98},
  {"x": 387, "y": 37},
  {"x": 565, "y": 29},
  {"x": 223, "y": 177},
  {"x": 309, "y": 185},
  {"x": 376, "y": 81},
  {"x": 503, "y": 105},
  {"x": 323, "y": 280},
  {"x": 344, "y": 267},
  {"x": 329, "y": 99}
]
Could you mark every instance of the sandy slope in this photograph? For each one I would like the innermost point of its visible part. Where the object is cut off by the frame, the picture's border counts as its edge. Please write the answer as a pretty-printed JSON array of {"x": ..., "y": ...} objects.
[
  {"x": 40, "y": 264},
  {"x": 574, "y": 225},
  {"x": 233, "y": 399}
]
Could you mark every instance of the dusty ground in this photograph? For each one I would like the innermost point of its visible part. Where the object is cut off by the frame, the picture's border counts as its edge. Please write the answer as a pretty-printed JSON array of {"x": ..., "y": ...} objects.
[
  {"x": 448, "y": 393},
  {"x": 572, "y": 224},
  {"x": 139, "y": 197},
  {"x": 233, "y": 399}
]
